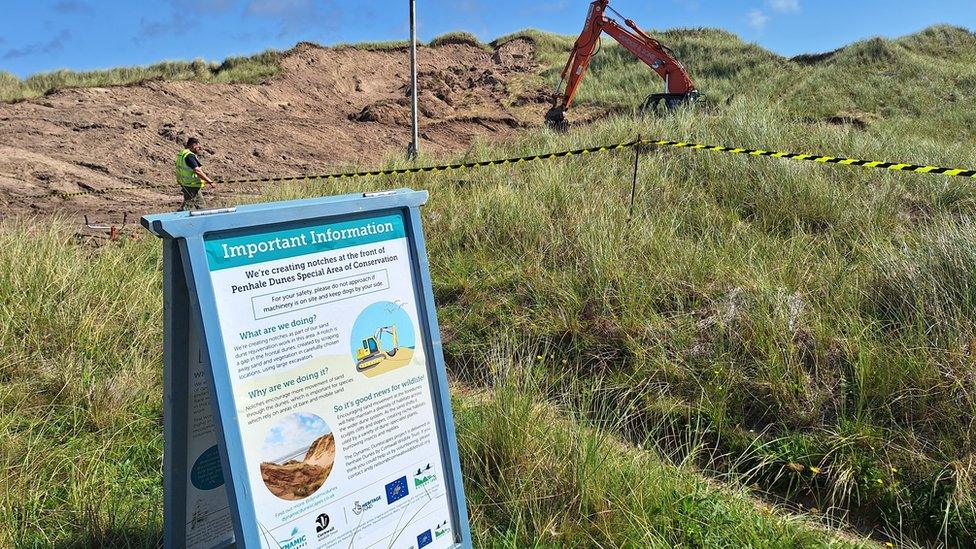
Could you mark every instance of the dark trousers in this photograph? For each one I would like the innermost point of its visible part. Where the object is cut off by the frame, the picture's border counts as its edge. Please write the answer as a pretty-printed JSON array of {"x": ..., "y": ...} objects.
[{"x": 192, "y": 199}]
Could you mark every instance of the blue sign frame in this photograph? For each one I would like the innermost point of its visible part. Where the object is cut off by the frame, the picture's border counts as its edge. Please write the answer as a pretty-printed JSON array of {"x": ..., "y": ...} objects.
[{"x": 190, "y": 306}]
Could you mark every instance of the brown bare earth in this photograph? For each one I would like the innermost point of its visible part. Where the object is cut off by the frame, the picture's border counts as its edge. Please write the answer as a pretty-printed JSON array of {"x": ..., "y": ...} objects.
[
  {"x": 300, "y": 479},
  {"x": 327, "y": 107}
]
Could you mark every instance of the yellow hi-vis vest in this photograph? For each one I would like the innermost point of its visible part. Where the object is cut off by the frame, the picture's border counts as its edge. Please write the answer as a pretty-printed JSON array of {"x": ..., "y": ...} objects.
[{"x": 185, "y": 175}]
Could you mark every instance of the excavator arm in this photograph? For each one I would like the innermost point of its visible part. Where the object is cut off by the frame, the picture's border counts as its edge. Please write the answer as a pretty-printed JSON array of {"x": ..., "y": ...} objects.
[{"x": 678, "y": 86}]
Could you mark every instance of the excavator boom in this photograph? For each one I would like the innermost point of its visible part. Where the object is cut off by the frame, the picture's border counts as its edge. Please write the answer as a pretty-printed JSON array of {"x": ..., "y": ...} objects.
[{"x": 678, "y": 87}]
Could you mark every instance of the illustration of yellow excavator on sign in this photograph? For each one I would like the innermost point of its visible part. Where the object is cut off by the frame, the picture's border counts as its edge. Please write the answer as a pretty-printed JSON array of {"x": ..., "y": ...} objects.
[{"x": 373, "y": 358}]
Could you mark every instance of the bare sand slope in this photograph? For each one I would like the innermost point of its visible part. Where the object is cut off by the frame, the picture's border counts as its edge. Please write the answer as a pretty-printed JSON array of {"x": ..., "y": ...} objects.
[{"x": 326, "y": 107}]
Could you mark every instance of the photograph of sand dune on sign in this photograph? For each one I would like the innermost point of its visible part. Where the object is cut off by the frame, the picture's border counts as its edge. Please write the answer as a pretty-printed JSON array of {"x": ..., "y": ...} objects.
[{"x": 299, "y": 453}]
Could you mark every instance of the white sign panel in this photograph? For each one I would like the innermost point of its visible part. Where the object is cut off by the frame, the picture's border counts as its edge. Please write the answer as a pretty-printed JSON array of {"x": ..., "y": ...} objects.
[{"x": 329, "y": 379}]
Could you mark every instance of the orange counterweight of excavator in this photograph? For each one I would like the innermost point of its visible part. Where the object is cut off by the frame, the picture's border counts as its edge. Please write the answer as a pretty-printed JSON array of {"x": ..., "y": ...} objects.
[{"x": 678, "y": 88}]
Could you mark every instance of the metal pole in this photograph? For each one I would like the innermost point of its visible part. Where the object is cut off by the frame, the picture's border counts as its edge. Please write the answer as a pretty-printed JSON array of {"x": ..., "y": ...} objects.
[{"x": 414, "y": 147}]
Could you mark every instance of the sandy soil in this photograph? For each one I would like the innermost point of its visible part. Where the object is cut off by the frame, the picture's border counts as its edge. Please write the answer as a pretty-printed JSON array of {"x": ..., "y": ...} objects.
[
  {"x": 326, "y": 107},
  {"x": 403, "y": 357}
]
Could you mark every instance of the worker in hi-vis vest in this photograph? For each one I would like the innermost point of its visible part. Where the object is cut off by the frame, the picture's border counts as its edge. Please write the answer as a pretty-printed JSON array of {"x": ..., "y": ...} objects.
[{"x": 190, "y": 176}]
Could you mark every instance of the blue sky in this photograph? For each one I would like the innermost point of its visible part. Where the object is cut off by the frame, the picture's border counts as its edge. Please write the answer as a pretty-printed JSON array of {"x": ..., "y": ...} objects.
[{"x": 44, "y": 35}]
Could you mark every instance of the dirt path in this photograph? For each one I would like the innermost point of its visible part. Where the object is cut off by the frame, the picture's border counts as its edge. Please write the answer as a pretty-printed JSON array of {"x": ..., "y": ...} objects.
[{"x": 326, "y": 107}]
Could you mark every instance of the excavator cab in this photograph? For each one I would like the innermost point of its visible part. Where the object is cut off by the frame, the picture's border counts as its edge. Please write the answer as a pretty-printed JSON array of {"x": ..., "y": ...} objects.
[
  {"x": 369, "y": 347},
  {"x": 678, "y": 87},
  {"x": 372, "y": 352}
]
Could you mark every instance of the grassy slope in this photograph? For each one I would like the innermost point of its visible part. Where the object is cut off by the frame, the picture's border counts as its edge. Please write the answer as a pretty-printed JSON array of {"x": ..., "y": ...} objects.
[
  {"x": 81, "y": 443},
  {"x": 806, "y": 329},
  {"x": 537, "y": 478}
]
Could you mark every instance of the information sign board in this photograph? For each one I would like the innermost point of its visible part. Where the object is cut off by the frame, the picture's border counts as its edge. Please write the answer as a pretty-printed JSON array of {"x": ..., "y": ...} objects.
[{"x": 306, "y": 402}]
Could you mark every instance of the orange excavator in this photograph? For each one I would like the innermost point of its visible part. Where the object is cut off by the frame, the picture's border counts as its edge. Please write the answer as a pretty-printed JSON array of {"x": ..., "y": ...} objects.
[{"x": 678, "y": 88}]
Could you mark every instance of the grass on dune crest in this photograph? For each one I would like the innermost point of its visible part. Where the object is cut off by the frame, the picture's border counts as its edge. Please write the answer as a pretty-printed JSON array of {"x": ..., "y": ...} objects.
[
  {"x": 924, "y": 81},
  {"x": 246, "y": 70},
  {"x": 252, "y": 69}
]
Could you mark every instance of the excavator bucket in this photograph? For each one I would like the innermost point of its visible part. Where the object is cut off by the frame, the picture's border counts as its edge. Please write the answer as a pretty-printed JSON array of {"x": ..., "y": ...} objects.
[{"x": 556, "y": 119}]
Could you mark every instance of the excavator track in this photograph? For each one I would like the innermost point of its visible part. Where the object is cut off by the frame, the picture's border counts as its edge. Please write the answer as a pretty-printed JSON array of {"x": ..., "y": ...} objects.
[{"x": 663, "y": 103}]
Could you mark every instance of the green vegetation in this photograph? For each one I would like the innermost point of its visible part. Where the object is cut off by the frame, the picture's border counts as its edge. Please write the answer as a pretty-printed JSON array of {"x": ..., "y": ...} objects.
[
  {"x": 800, "y": 332},
  {"x": 806, "y": 329},
  {"x": 924, "y": 83},
  {"x": 814, "y": 324},
  {"x": 249, "y": 70},
  {"x": 537, "y": 478},
  {"x": 81, "y": 446},
  {"x": 457, "y": 38},
  {"x": 80, "y": 398}
]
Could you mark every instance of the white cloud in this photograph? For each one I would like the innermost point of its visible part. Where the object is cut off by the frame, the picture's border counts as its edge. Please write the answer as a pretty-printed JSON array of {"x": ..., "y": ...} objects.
[
  {"x": 757, "y": 19},
  {"x": 293, "y": 433},
  {"x": 784, "y": 6},
  {"x": 53, "y": 45}
]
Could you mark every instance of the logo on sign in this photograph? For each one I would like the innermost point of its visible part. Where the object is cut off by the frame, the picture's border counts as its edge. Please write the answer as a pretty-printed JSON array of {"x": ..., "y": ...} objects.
[
  {"x": 297, "y": 539},
  {"x": 396, "y": 490},
  {"x": 424, "y": 539},
  {"x": 424, "y": 476},
  {"x": 321, "y": 522},
  {"x": 322, "y": 529},
  {"x": 442, "y": 530},
  {"x": 358, "y": 507}
]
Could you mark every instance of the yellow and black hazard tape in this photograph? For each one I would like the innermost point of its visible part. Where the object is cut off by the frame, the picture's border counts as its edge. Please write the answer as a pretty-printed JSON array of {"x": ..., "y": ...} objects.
[
  {"x": 442, "y": 168},
  {"x": 64, "y": 194},
  {"x": 900, "y": 167},
  {"x": 822, "y": 159},
  {"x": 101, "y": 191}
]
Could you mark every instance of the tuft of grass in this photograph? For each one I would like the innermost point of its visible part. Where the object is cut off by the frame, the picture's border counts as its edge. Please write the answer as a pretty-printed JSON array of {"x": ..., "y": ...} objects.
[
  {"x": 458, "y": 37},
  {"x": 927, "y": 282},
  {"x": 79, "y": 407}
]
